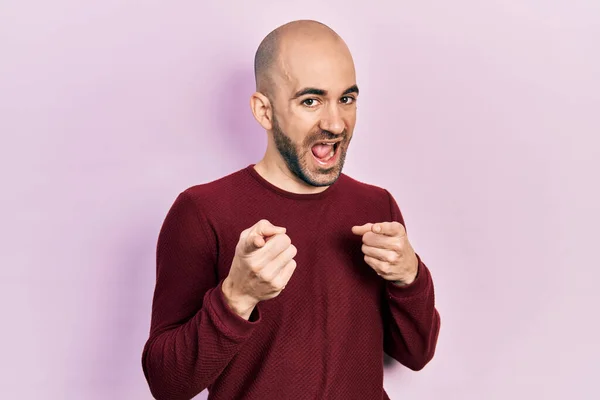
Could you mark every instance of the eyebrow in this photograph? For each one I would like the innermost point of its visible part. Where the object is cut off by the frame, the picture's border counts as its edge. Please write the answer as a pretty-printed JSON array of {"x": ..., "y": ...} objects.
[
  {"x": 322, "y": 92},
  {"x": 351, "y": 89}
]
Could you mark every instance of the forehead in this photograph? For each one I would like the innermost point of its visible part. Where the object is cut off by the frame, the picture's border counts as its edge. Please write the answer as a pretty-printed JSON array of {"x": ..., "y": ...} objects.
[{"x": 322, "y": 64}]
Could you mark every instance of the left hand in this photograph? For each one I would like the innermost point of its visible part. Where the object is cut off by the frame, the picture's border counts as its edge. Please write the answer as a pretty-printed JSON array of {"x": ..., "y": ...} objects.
[{"x": 388, "y": 251}]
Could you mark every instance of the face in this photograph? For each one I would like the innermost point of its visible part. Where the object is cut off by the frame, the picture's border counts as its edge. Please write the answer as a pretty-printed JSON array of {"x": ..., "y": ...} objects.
[
  {"x": 305, "y": 165},
  {"x": 314, "y": 111}
]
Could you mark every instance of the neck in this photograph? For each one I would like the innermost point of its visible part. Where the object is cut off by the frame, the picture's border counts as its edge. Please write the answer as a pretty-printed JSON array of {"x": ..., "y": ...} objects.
[{"x": 275, "y": 171}]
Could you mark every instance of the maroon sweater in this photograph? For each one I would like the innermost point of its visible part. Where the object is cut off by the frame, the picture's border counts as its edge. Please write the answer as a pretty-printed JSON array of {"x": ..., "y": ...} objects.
[{"x": 323, "y": 337}]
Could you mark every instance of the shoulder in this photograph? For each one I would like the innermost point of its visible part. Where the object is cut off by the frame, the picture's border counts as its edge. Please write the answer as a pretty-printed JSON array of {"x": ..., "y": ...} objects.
[
  {"x": 361, "y": 196},
  {"x": 217, "y": 189},
  {"x": 363, "y": 191},
  {"x": 203, "y": 200},
  {"x": 368, "y": 196}
]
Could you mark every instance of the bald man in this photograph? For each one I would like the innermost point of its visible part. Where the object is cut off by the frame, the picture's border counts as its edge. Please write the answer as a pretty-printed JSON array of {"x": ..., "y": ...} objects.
[{"x": 288, "y": 279}]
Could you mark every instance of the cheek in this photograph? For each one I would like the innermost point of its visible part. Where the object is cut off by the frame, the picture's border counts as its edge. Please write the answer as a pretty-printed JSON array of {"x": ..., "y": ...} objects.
[
  {"x": 302, "y": 129},
  {"x": 350, "y": 119}
]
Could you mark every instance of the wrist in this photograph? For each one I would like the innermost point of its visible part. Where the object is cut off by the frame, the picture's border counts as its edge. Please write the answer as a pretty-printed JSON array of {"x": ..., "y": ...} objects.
[
  {"x": 239, "y": 304},
  {"x": 410, "y": 279},
  {"x": 403, "y": 282}
]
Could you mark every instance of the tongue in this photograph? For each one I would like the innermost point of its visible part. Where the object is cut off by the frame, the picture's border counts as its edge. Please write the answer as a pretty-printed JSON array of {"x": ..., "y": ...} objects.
[{"x": 321, "y": 150}]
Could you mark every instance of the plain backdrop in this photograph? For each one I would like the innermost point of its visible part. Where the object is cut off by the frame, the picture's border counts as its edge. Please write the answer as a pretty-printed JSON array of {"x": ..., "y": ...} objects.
[{"x": 481, "y": 117}]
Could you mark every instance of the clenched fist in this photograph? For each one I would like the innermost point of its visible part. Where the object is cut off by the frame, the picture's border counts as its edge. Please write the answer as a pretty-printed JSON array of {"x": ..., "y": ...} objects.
[
  {"x": 388, "y": 251},
  {"x": 262, "y": 265}
]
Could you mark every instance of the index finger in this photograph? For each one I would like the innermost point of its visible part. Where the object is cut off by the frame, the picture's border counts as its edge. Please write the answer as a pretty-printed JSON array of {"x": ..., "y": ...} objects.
[
  {"x": 265, "y": 228},
  {"x": 362, "y": 229},
  {"x": 259, "y": 234}
]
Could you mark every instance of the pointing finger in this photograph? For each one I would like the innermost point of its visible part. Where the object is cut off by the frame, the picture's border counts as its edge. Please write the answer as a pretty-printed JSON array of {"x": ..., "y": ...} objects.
[
  {"x": 362, "y": 229},
  {"x": 260, "y": 233},
  {"x": 266, "y": 228}
]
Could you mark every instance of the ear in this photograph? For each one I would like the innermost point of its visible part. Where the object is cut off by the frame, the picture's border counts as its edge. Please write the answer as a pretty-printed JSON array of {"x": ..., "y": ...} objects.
[{"x": 262, "y": 111}]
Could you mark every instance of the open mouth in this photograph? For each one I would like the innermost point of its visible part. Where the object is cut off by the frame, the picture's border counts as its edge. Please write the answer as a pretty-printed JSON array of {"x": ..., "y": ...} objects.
[{"x": 325, "y": 152}]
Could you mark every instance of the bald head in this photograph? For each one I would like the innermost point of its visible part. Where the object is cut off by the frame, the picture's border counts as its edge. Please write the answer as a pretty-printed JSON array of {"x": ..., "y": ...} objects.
[
  {"x": 267, "y": 60},
  {"x": 306, "y": 94}
]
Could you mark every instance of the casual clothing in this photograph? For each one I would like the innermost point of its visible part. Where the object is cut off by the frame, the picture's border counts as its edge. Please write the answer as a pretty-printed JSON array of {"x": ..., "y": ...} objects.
[{"x": 322, "y": 337}]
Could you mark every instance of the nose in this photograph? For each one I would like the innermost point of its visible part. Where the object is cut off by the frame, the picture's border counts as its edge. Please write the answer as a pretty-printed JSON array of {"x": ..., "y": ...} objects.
[{"x": 331, "y": 120}]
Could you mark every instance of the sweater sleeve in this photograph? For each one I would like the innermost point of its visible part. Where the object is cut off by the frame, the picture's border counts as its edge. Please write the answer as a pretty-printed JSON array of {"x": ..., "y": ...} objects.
[
  {"x": 193, "y": 333},
  {"x": 411, "y": 320}
]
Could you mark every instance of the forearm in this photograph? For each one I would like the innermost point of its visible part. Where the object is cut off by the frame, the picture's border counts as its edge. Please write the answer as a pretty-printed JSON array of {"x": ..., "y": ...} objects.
[
  {"x": 182, "y": 361},
  {"x": 412, "y": 321}
]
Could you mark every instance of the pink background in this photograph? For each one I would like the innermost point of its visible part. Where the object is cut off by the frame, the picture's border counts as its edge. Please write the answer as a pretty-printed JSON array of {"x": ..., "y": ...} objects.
[{"x": 481, "y": 117}]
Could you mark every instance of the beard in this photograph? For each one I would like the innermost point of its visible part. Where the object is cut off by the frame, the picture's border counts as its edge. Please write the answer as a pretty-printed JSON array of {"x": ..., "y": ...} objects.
[{"x": 297, "y": 157}]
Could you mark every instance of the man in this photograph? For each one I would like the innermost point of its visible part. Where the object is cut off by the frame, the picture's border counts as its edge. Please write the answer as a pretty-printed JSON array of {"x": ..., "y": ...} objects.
[{"x": 288, "y": 279}]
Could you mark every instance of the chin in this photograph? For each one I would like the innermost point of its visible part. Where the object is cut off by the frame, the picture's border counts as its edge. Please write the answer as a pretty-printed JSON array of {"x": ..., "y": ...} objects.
[
  {"x": 321, "y": 180},
  {"x": 318, "y": 176}
]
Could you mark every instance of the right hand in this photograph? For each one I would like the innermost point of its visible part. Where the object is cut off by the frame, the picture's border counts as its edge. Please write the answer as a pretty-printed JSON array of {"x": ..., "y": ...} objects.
[{"x": 262, "y": 265}]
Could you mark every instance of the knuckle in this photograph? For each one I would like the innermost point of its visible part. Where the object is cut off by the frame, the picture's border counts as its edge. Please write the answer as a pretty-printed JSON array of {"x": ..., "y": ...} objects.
[
  {"x": 293, "y": 250},
  {"x": 239, "y": 247},
  {"x": 278, "y": 284},
  {"x": 401, "y": 229},
  {"x": 254, "y": 268},
  {"x": 261, "y": 224},
  {"x": 286, "y": 239}
]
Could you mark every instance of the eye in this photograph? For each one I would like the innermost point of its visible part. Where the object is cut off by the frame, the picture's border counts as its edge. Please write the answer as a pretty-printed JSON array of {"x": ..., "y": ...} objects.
[
  {"x": 309, "y": 102},
  {"x": 347, "y": 100}
]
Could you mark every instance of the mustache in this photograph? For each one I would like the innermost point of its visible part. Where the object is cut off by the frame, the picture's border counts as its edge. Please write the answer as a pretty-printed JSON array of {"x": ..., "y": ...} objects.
[{"x": 325, "y": 135}]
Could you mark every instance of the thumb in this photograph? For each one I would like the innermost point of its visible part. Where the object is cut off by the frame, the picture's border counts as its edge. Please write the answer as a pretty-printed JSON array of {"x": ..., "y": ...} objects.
[
  {"x": 265, "y": 229},
  {"x": 362, "y": 229},
  {"x": 259, "y": 235},
  {"x": 253, "y": 242}
]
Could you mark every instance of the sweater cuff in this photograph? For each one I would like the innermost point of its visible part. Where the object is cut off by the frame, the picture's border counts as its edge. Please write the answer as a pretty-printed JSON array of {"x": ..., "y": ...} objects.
[
  {"x": 415, "y": 287},
  {"x": 230, "y": 321}
]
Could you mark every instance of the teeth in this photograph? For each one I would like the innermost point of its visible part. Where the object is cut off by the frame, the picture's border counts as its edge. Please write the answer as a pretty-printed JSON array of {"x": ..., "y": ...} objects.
[
  {"x": 330, "y": 155},
  {"x": 331, "y": 152}
]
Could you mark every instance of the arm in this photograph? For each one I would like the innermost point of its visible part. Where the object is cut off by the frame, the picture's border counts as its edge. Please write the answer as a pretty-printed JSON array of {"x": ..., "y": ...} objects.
[
  {"x": 193, "y": 334},
  {"x": 411, "y": 321}
]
